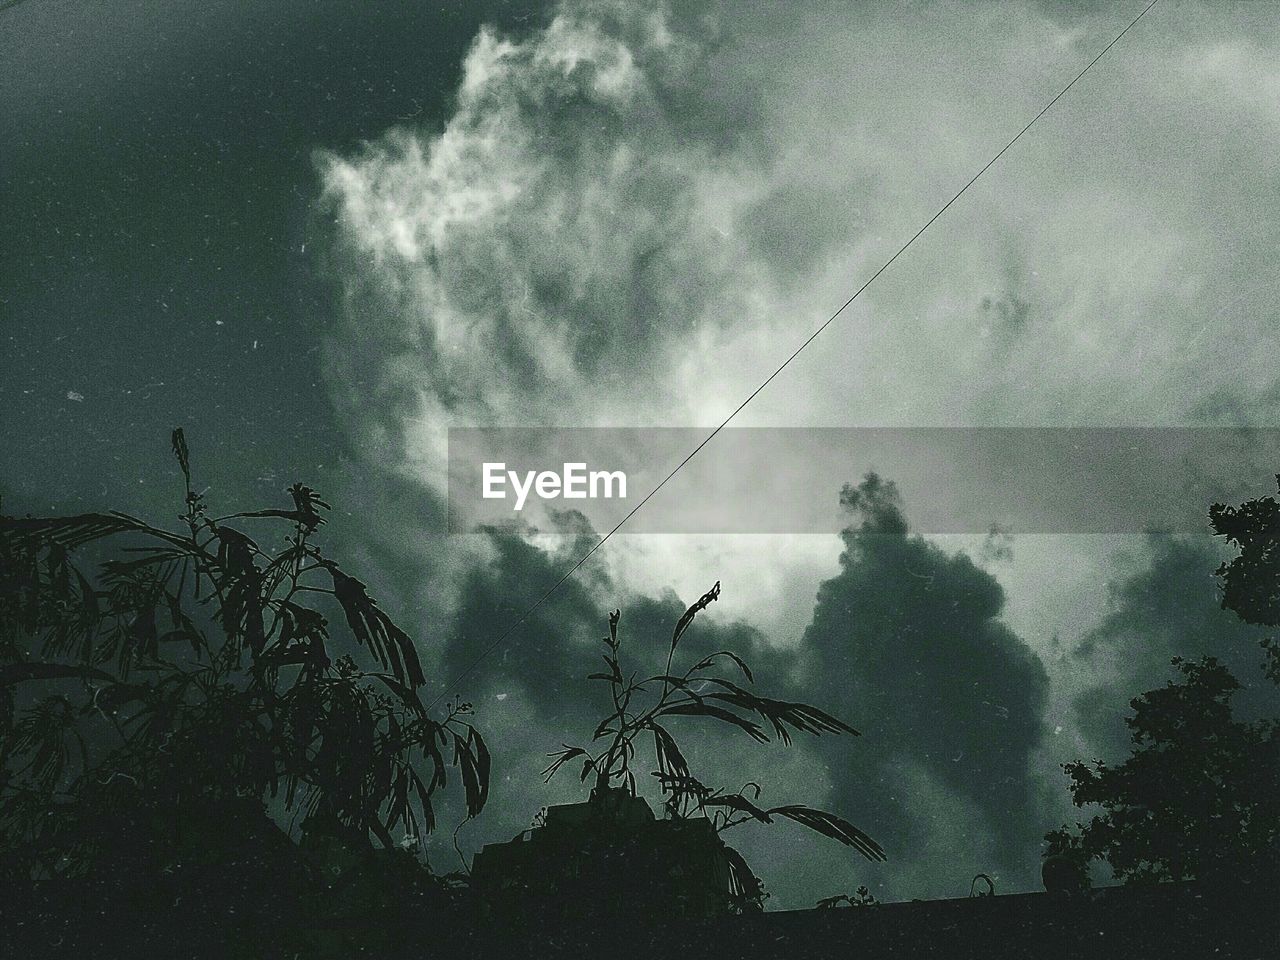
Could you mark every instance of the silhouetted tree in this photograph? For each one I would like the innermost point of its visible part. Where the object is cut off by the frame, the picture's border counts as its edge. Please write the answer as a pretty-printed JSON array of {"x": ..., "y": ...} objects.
[
  {"x": 1200, "y": 795},
  {"x": 643, "y": 709},
  {"x": 1251, "y": 581},
  {"x": 153, "y": 703}
]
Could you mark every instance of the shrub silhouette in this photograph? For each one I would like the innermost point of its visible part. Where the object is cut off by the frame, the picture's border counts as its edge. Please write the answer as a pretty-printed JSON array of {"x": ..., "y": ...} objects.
[
  {"x": 642, "y": 709},
  {"x": 154, "y": 703},
  {"x": 862, "y": 897}
]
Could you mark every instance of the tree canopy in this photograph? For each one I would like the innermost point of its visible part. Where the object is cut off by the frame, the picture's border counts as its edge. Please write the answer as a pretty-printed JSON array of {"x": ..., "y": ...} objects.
[
  {"x": 1199, "y": 797},
  {"x": 1251, "y": 580},
  {"x": 171, "y": 696}
]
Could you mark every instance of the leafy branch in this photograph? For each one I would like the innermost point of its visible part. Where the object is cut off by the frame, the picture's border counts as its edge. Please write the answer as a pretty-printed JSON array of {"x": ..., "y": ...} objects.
[
  {"x": 197, "y": 666},
  {"x": 642, "y": 710}
]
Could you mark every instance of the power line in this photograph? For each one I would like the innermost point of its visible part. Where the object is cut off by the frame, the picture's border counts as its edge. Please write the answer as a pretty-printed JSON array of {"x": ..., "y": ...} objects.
[{"x": 769, "y": 379}]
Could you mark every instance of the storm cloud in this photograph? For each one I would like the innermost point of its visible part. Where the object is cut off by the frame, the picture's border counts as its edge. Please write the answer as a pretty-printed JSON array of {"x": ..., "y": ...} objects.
[
  {"x": 910, "y": 638},
  {"x": 633, "y": 212}
]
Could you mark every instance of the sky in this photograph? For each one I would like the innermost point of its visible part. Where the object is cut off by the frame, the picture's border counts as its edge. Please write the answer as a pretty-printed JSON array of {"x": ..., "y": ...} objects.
[{"x": 317, "y": 236}]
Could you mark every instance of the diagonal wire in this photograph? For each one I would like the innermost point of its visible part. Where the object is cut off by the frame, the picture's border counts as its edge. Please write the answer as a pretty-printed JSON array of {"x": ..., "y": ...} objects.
[{"x": 785, "y": 363}]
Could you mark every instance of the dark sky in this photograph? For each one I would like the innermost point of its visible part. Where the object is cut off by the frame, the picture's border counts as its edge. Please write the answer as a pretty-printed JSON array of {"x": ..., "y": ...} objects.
[
  {"x": 313, "y": 234},
  {"x": 157, "y": 185}
]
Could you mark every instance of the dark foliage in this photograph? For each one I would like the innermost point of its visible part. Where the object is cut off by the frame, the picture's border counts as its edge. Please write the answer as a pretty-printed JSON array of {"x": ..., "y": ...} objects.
[
  {"x": 1198, "y": 798},
  {"x": 1251, "y": 581},
  {"x": 155, "y": 704},
  {"x": 644, "y": 709},
  {"x": 1200, "y": 795}
]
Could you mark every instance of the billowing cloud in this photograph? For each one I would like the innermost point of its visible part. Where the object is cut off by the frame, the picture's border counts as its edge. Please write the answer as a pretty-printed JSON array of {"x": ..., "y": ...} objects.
[
  {"x": 634, "y": 211},
  {"x": 550, "y": 255},
  {"x": 911, "y": 640}
]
